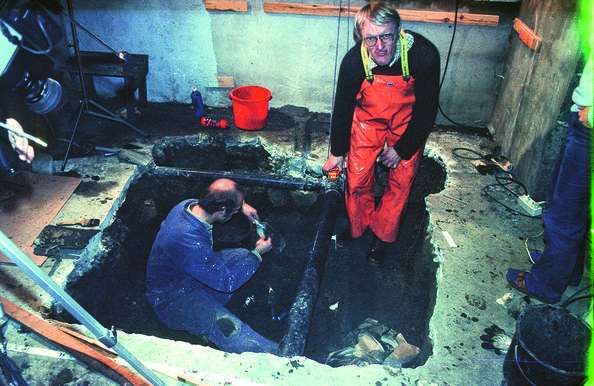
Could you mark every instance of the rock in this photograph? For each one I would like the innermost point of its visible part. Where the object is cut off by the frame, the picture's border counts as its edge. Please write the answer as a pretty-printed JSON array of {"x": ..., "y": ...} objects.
[
  {"x": 278, "y": 197},
  {"x": 148, "y": 211},
  {"x": 389, "y": 340},
  {"x": 368, "y": 322},
  {"x": 303, "y": 199},
  {"x": 369, "y": 348},
  {"x": 295, "y": 168},
  {"x": 403, "y": 354},
  {"x": 314, "y": 168}
]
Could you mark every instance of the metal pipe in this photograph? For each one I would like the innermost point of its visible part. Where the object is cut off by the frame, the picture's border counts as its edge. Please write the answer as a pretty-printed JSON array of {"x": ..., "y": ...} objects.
[
  {"x": 293, "y": 343},
  {"x": 240, "y": 177},
  {"x": 108, "y": 338}
]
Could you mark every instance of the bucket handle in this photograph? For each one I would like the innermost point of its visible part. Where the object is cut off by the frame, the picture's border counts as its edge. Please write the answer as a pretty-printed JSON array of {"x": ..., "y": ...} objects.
[{"x": 520, "y": 367}]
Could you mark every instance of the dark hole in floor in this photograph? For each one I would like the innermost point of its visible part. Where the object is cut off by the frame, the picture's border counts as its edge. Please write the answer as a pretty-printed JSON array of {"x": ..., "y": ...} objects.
[
  {"x": 226, "y": 155},
  {"x": 399, "y": 294}
]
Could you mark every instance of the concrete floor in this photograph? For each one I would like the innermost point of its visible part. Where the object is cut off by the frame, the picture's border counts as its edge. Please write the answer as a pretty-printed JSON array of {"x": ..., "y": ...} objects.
[{"x": 474, "y": 241}]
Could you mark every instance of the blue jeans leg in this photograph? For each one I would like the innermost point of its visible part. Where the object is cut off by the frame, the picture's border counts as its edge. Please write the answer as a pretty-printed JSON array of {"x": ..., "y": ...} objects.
[
  {"x": 567, "y": 217},
  {"x": 196, "y": 311}
]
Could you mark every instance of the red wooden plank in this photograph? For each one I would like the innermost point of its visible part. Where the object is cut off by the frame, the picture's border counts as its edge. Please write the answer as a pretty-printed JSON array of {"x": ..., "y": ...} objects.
[
  {"x": 54, "y": 334},
  {"x": 419, "y": 15},
  {"x": 527, "y": 35},
  {"x": 226, "y": 5}
]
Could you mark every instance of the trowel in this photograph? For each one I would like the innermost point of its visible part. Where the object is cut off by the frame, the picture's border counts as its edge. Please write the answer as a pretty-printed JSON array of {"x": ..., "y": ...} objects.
[{"x": 265, "y": 230}]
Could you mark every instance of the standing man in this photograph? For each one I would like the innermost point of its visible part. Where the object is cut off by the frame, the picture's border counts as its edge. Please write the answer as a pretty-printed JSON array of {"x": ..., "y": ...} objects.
[
  {"x": 188, "y": 283},
  {"x": 386, "y": 103},
  {"x": 566, "y": 219}
]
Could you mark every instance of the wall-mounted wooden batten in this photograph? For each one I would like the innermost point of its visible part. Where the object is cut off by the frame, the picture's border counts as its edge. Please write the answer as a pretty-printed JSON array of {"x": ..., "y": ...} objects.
[
  {"x": 527, "y": 35},
  {"x": 226, "y": 81},
  {"x": 405, "y": 14},
  {"x": 226, "y": 5}
]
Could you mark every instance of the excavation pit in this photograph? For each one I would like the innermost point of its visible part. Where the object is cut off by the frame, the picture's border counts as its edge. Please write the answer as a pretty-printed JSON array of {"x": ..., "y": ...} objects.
[{"x": 400, "y": 294}]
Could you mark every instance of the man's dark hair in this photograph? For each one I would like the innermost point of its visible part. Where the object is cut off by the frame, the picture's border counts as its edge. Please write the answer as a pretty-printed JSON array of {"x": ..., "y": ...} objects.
[{"x": 217, "y": 199}]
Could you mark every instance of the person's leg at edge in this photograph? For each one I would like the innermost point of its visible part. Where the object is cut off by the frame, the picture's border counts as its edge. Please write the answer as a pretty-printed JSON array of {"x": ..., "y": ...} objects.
[
  {"x": 197, "y": 312},
  {"x": 565, "y": 222}
]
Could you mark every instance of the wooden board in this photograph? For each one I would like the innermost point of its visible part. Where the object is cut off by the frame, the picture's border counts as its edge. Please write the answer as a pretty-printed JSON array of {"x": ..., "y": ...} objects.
[
  {"x": 527, "y": 35},
  {"x": 71, "y": 343},
  {"x": 226, "y": 5},
  {"x": 24, "y": 216},
  {"x": 226, "y": 81},
  {"x": 535, "y": 87},
  {"x": 405, "y": 14}
]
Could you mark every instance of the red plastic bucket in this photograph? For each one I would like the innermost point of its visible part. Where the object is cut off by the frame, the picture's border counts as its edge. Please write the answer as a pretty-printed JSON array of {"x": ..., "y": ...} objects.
[{"x": 250, "y": 106}]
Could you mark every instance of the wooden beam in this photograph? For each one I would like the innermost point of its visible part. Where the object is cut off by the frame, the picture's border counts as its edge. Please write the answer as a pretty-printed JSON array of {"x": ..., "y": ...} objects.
[
  {"x": 534, "y": 91},
  {"x": 448, "y": 17},
  {"x": 226, "y": 81},
  {"x": 527, "y": 35},
  {"x": 72, "y": 344},
  {"x": 308, "y": 9},
  {"x": 405, "y": 14},
  {"x": 226, "y": 5}
]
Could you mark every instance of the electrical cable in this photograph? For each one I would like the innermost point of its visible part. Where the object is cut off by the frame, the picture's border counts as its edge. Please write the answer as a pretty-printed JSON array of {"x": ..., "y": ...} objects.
[
  {"x": 574, "y": 297},
  {"x": 456, "y": 151},
  {"x": 50, "y": 44},
  {"x": 335, "y": 65},
  {"x": 82, "y": 27},
  {"x": 445, "y": 69},
  {"x": 508, "y": 179},
  {"x": 503, "y": 181},
  {"x": 485, "y": 190},
  {"x": 578, "y": 298},
  {"x": 20, "y": 42},
  {"x": 528, "y": 249}
]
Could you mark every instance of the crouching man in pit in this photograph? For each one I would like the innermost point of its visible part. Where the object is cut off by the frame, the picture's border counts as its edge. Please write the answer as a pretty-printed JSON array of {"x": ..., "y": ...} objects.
[{"x": 189, "y": 283}]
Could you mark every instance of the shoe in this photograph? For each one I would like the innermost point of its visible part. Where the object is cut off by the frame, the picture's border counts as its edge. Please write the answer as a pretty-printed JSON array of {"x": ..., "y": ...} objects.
[
  {"x": 517, "y": 279},
  {"x": 535, "y": 256},
  {"x": 376, "y": 253}
]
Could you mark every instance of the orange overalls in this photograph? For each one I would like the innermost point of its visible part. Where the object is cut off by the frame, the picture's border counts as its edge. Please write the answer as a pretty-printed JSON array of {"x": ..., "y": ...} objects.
[{"x": 383, "y": 111}]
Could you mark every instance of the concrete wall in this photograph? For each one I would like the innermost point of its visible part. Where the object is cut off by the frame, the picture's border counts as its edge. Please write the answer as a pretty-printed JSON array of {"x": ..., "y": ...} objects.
[
  {"x": 527, "y": 129},
  {"x": 293, "y": 55}
]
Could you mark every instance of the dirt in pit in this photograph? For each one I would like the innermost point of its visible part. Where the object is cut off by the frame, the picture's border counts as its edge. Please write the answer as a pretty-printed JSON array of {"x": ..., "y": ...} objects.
[{"x": 399, "y": 294}]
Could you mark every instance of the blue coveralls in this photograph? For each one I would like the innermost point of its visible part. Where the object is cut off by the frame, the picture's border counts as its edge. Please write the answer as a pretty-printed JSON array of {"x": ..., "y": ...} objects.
[
  {"x": 188, "y": 283},
  {"x": 566, "y": 220}
]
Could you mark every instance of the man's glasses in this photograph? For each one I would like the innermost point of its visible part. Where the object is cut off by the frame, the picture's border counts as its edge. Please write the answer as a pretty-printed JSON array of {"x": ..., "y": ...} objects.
[{"x": 371, "y": 41}]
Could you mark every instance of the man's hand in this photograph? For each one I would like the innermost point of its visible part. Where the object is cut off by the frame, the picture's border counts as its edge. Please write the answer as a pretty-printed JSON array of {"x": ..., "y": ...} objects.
[
  {"x": 332, "y": 162},
  {"x": 250, "y": 211},
  {"x": 18, "y": 143},
  {"x": 263, "y": 245},
  {"x": 389, "y": 157},
  {"x": 583, "y": 115}
]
